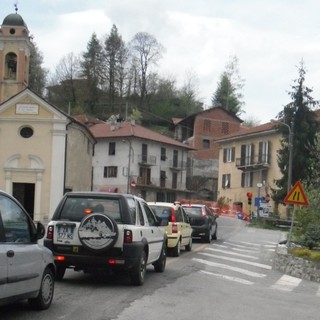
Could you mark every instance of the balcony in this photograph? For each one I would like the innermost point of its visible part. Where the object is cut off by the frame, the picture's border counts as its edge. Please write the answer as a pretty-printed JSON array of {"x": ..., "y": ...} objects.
[
  {"x": 146, "y": 160},
  {"x": 155, "y": 183},
  {"x": 256, "y": 162},
  {"x": 177, "y": 165}
]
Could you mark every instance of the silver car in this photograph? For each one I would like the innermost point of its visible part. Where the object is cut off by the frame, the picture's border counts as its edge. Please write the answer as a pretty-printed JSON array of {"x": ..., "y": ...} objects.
[{"x": 27, "y": 269}]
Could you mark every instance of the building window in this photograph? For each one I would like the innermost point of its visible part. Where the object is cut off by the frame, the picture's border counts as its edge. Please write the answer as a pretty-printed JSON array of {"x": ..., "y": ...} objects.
[
  {"x": 228, "y": 154},
  {"x": 247, "y": 152},
  {"x": 206, "y": 125},
  {"x": 112, "y": 148},
  {"x": 226, "y": 181},
  {"x": 11, "y": 65},
  {"x": 174, "y": 180},
  {"x": 175, "y": 159},
  {"x": 264, "y": 152},
  {"x": 110, "y": 172},
  {"x": 163, "y": 154},
  {"x": 26, "y": 132},
  {"x": 206, "y": 144},
  {"x": 247, "y": 179}
]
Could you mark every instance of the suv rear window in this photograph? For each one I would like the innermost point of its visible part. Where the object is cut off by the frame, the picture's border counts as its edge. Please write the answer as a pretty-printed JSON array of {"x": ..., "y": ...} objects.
[{"x": 75, "y": 208}]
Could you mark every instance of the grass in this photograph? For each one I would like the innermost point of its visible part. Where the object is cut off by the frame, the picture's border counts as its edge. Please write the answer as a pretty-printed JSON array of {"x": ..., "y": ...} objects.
[{"x": 305, "y": 253}]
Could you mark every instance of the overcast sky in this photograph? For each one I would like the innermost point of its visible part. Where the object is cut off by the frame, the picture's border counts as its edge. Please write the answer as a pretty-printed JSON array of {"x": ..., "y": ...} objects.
[{"x": 269, "y": 38}]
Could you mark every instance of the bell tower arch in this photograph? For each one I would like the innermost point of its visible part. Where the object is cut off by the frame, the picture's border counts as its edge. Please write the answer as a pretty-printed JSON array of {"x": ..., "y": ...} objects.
[{"x": 15, "y": 47}]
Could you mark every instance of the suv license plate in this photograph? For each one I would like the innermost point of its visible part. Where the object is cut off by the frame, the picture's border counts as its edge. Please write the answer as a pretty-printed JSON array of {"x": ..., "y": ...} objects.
[{"x": 65, "y": 232}]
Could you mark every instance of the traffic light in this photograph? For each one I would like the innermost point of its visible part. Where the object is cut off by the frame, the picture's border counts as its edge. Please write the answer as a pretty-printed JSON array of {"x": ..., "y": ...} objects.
[{"x": 249, "y": 196}]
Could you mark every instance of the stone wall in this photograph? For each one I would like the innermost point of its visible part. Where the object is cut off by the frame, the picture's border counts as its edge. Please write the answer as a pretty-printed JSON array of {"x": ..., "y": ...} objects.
[{"x": 295, "y": 266}]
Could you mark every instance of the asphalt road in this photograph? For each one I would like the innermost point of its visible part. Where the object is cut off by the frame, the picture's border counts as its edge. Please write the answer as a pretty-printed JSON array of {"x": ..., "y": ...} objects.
[{"x": 232, "y": 278}]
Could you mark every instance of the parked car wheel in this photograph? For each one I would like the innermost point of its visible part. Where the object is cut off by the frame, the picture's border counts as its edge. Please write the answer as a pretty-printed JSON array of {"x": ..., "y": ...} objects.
[
  {"x": 189, "y": 245},
  {"x": 138, "y": 273},
  {"x": 215, "y": 235},
  {"x": 160, "y": 264},
  {"x": 177, "y": 249},
  {"x": 208, "y": 236},
  {"x": 44, "y": 298}
]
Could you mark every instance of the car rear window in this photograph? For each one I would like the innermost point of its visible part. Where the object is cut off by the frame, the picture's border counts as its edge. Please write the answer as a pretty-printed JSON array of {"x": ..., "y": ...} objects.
[
  {"x": 161, "y": 211},
  {"x": 197, "y": 211},
  {"x": 76, "y": 208}
]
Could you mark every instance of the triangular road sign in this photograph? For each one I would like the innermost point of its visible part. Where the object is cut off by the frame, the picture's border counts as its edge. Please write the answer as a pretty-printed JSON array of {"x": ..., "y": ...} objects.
[{"x": 296, "y": 195}]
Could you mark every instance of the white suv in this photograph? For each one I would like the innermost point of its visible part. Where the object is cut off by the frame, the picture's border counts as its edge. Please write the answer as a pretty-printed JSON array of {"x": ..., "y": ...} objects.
[
  {"x": 26, "y": 268},
  {"x": 92, "y": 231}
]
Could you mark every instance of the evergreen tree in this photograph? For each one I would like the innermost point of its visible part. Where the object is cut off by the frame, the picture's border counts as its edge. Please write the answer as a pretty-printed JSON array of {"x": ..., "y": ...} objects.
[
  {"x": 228, "y": 94},
  {"x": 298, "y": 114},
  {"x": 116, "y": 59},
  {"x": 92, "y": 69}
]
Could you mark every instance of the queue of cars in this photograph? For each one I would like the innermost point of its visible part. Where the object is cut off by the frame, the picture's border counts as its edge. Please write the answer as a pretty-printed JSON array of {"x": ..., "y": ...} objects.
[{"x": 92, "y": 231}]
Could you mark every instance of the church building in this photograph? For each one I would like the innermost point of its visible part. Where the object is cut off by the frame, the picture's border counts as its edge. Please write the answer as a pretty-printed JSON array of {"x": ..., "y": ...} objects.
[{"x": 44, "y": 152}]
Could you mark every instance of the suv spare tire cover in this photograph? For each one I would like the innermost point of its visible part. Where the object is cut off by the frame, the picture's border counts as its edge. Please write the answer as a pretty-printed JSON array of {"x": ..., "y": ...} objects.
[{"x": 98, "y": 232}]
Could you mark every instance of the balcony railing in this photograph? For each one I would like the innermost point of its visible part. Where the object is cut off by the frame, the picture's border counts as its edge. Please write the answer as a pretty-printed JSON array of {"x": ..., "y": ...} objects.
[
  {"x": 257, "y": 162},
  {"x": 159, "y": 183},
  {"x": 147, "y": 160},
  {"x": 177, "y": 165}
]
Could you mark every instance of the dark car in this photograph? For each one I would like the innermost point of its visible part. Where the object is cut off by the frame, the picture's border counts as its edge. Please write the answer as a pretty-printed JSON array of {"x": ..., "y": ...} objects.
[{"x": 203, "y": 221}]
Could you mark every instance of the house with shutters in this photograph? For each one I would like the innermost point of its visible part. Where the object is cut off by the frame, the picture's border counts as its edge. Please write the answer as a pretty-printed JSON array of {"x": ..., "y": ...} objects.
[
  {"x": 248, "y": 163},
  {"x": 133, "y": 159}
]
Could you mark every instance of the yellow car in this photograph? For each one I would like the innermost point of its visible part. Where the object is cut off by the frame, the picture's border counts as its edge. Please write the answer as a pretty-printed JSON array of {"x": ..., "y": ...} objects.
[{"x": 179, "y": 230}]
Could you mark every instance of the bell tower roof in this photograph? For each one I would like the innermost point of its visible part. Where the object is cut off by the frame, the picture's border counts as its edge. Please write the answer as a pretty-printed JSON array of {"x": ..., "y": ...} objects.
[{"x": 14, "y": 19}]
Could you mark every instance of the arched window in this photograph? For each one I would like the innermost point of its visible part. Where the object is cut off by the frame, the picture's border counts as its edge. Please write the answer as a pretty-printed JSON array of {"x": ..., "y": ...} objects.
[{"x": 11, "y": 65}]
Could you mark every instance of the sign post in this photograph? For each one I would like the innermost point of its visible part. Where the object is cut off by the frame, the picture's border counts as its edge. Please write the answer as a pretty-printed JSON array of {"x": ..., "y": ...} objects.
[{"x": 295, "y": 196}]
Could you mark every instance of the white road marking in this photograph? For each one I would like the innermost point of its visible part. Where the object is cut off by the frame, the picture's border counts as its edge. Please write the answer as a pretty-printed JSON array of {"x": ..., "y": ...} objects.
[
  {"x": 235, "y": 279},
  {"x": 260, "y": 265},
  {"x": 227, "y": 267},
  {"x": 286, "y": 283},
  {"x": 318, "y": 292},
  {"x": 242, "y": 246},
  {"x": 232, "y": 253}
]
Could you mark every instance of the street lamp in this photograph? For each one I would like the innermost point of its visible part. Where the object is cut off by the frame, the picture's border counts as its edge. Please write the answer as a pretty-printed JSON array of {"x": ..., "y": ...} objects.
[
  {"x": 129, "y": 162},
  {"x": 290, "y": 149}
]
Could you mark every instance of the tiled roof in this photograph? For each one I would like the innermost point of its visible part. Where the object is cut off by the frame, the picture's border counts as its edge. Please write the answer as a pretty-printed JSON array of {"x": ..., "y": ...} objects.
[
  {"x": 127, "y": 130},
  {"x": 246, "y": 131}
]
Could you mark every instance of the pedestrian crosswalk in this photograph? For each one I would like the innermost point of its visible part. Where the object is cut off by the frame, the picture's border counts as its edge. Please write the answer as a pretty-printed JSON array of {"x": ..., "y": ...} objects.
[{"x": 242, "y": 262}]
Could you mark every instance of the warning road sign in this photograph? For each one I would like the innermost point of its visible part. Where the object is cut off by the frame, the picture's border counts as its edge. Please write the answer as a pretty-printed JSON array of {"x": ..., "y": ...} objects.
[{"x": 296, "y": 195}]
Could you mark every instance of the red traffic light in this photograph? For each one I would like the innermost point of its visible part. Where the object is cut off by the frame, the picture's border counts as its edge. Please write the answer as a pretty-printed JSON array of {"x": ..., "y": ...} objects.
[{"x": 249, "y": 194}]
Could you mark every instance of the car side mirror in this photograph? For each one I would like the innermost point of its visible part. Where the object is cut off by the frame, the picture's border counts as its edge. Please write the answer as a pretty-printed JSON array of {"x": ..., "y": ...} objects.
[{"x": 41, "y": 230}]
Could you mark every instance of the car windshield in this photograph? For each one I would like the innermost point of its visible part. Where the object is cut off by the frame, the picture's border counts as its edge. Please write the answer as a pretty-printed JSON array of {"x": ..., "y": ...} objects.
[
  {"x": 196, "y": 211},
  {"x": 75, "y": 208}
]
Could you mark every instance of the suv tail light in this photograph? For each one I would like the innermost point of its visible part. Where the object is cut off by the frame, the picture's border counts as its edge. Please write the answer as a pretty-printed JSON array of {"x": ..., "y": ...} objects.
[
  {"x": 204, "y": 212},
  {"x": 127, "y": 236},
  {"x": 50, "y": 232}
]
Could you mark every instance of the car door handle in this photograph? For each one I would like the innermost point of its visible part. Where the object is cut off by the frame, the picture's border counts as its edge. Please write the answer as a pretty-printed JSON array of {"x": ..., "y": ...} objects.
[{"x": 10, "y": 253}]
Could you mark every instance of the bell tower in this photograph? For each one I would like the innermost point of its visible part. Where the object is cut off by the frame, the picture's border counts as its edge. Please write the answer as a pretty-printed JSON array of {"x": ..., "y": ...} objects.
[{"x": 15, "y": 49}]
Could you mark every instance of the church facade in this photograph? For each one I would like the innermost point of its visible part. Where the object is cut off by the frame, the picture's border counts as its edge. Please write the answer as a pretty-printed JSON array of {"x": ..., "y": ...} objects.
[{"x": 44, "y": 151}]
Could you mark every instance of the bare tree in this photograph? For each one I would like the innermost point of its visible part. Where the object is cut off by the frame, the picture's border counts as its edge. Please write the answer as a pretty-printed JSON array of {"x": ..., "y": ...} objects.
[{"x": 147, "y": 50}]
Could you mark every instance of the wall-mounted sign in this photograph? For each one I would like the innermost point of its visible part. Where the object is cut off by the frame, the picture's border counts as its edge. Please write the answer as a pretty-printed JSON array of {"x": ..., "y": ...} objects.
[{"x": 27, "y": 108}]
